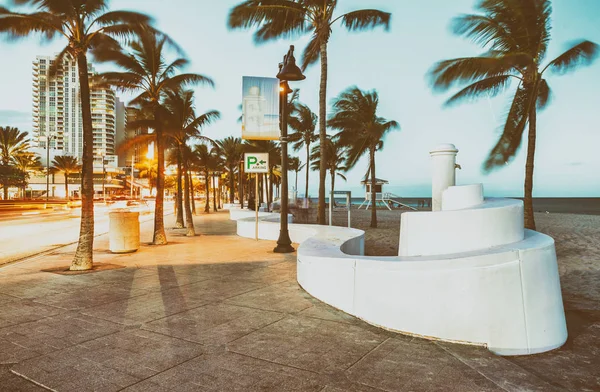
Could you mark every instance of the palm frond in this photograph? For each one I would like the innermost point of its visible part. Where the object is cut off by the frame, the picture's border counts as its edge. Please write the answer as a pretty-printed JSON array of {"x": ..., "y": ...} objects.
[
  {"x": 490, "y": 86},
  {"x": 544, "y": 95},
  {"x": 447, "y": 73},
  {"x": 366, "y": 19},
  {"x": 582, "y": 53}
]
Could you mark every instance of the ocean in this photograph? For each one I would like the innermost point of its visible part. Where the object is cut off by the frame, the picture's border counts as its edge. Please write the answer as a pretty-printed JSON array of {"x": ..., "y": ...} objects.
[{"x": 566, "y": 205}]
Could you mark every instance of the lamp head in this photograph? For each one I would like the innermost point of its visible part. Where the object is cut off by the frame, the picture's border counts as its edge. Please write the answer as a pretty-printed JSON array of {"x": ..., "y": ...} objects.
[{"x": 290, "y": 70}]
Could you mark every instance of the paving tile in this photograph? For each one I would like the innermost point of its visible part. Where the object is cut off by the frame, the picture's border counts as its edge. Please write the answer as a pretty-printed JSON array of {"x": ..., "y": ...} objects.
[
  {"x": 311, "y": 344},
  {"x": 23, "y": 311},
  {"x": 87, "y": 297},
  {"x": 282, "y": 297},
  {"x": 321, "y": 310},
  {"x": 574, "y": 367},
  {"x": 57, "y": 332},
  {"x": 11, "y": 352},
  {"x": 412, "y": 364},
  {"x": 228, "y": 371},
  {"x": 13, "y": 383},
  {"x": 38, "y": 284},
  {"x": 214, "y": 324},
  {"x": 500, "y": 370},
  {"x": 266, "y": 275},
  {"x": 109, "y": 363}
]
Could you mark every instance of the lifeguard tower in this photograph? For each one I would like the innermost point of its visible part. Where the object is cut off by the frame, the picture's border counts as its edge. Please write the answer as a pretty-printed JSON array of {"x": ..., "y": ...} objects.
[{"x": 388, "y": 199}]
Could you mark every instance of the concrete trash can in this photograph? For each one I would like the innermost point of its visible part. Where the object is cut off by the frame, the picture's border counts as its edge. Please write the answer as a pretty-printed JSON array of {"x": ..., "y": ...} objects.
[{"x": 123, "y": 231}]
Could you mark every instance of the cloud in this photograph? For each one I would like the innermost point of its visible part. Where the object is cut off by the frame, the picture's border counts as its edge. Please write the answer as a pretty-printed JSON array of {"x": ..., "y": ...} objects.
[{"x": 14, "y": 116}]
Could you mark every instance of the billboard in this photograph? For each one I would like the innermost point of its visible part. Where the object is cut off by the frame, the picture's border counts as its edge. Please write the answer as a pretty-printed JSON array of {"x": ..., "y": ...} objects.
[{"x": 260, "y": 108}]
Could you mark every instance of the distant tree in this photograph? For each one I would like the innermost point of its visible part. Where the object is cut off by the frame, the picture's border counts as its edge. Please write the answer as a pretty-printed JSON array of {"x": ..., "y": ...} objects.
[
  {"x": 336, "y": 160},
  {"x": 148, "y": 169},
  {"x": 275, "y": 19},
  {"x": 148, "y": 73},
  {"x": 12, "y": 143},
  {"x": 361, "y": 130},
  {"x": 515, "y": 35},
  {"x": 10, "y": 176},
  {"x": 232, "y": 151},
  {"x": 295, "y": 165},
  {"x": 27, "y": 162},
  {"x": 304, "y": 122},
  {"x": 88, "y": 29},
  {"x": 66, "y": 165}
]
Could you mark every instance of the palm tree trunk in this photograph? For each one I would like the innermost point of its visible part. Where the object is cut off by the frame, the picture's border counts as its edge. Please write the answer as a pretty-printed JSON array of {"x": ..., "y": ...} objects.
[
  {"x": 178, "y": 197},
  {"x": 160, "y": 238},
  {"x": 207, "y": 205},
  {"x": 192, "y": 192},
  {"x": 307, "y": 168},
  {"x": 214, "y": 189},
  {"x": 332, "y": 187},
  {"x": 373, "y": 190},
  {"x": 84, "y": 254},
  {"x": 231, "y": 184},
  {"x": 66, "y": 186},
  {"x": 5, "y": 189},
  {"x": 189, "y": 220},
  {"x": 528, "y": 194},
  {"x": 322, "y": 132},
  {"x": 241, "y": 190}
]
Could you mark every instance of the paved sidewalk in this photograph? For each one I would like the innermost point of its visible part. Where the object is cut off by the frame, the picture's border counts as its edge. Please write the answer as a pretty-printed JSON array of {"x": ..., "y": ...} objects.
[{"x": 221, "y": 313}]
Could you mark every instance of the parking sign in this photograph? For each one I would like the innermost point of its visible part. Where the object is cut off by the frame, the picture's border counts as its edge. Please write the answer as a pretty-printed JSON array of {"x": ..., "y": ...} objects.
[{"x": 256, "y": 162}]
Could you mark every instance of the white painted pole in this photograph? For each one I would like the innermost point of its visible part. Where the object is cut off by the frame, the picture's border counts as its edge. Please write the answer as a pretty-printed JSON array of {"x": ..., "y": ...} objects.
[
  {"x": 132, "y": 166},
  {"x": 443, "y": 162},
  {"x": 256, "y": 207},
  {"x": 331, "y": 208}
]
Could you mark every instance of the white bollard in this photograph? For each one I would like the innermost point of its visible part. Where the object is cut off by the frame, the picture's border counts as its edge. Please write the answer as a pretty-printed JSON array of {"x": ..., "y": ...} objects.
[
  {"x": 123, "y": 231},
  {"x": 443, "y": 162}
]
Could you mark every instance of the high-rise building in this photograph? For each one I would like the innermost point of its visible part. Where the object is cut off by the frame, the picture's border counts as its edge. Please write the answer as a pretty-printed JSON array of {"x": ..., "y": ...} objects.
[{"x": 57, "y": 111}]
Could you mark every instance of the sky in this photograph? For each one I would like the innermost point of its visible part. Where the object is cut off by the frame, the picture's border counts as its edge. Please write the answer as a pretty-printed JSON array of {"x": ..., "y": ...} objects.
[{"x": 395, "y": 63}]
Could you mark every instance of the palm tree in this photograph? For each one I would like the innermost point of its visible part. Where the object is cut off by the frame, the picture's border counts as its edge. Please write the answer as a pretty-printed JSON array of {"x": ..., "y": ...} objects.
[
  {"x": 148, "y": 72},
  {"x": 181, "y": 125},
  {"x": 88, "y": 29},
  {"x": 67, "y": 165},
  {"x": 284, "y": 18},
  {"x": 27, "y": 162},
  {"x": 148, "y": 169},
  {"x": 206, "y": 160},
  {"x": 232, "y": 150},
  {"x": 304, "y": 122},
  {"x": 516, "y": 35},
  {"x": 361, "y": 130},
  {"x": 336, "y": 160},
  {"x": 295, "y": 165},
  {"x": 12, "y": 143}
]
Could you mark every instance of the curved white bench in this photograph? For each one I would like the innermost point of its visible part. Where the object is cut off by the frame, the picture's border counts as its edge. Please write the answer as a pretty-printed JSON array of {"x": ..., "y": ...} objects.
[{"x": 506, "y": 297}]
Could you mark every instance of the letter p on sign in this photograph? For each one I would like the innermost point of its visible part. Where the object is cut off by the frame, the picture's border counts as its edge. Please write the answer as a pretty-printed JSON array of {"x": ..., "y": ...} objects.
[{"x": 256, "y": 162}]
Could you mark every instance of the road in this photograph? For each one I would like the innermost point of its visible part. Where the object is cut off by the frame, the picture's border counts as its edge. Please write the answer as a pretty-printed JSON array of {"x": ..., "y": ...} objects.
[{"x": 24, "y": 234}]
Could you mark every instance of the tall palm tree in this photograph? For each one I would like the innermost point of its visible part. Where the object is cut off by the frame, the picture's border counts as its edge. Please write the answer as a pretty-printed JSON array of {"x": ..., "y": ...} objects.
[
  {"x": 361, "y": 130},
  {"x": 304, "y": 122},
  {"x": 232, "y": 150},
  {"x": 148, "y": 73},
  {"x": 181, "y": 125},
  {"x": 516, "y": 35},
  {"x": 336, "y": 155},
  {"x": 27, "y": 162},
  {"x": 284, "y": 18},
  {"x": 66, "y": 165},
  {"x": 295, "y": 165},
  {"x": 88, "y": 29}
]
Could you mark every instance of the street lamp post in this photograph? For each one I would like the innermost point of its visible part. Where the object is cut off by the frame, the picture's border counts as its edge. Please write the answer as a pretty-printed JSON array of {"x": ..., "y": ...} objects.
[
  {"x": 288, "y": 71},
  {"x": 48, "y": 139}
]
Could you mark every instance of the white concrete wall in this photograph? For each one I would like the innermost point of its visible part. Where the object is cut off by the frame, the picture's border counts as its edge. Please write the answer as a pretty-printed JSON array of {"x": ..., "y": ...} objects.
[
  {"x": 506, "y": 298},
  {"x": 495, "y": 222}
]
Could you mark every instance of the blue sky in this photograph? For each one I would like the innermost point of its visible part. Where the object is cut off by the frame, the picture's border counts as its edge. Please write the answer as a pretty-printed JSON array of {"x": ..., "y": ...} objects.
[{"x": 395, "y": 63}]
